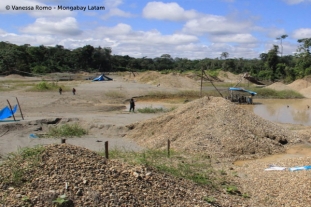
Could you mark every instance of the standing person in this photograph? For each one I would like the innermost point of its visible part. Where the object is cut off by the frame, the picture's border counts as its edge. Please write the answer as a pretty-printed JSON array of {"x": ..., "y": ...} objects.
[
  {"x": 60, "y": 90},
  {"x": 74, "y": 91},
  {"x": 132, "y": 104}
]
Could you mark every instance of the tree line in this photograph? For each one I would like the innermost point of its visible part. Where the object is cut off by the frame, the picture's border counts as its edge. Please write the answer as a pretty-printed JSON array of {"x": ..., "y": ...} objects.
[{"x": 27, "y": 59}]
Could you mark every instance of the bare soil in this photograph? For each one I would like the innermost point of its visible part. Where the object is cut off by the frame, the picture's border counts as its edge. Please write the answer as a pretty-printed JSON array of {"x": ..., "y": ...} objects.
[{"x": 102, "y": 108}]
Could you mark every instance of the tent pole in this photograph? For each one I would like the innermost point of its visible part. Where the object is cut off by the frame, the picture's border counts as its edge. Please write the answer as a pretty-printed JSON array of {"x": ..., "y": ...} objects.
[
  {"x": 20, "y": 109},
  {"x": 11, "y": 110}
]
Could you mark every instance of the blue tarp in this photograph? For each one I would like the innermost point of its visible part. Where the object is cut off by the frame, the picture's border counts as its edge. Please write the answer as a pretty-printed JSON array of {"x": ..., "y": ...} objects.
[
  {"x": 308, "y": 167},
  {"x": 6, "y": 112},
  {"x": 242, "y": 90},
  {"x": 102, "y": 78}
]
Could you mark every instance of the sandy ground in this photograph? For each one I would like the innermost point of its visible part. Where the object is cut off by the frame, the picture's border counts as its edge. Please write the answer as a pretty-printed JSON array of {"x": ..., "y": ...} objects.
[{"x": 101, "y": 107}]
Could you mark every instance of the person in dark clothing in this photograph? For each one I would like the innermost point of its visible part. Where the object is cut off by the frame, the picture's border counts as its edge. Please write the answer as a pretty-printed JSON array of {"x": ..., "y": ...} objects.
[
  {"x": 60, "y": 90},
  {"x": 74, "y": 91},
  {"x": 132, "y": 104}
]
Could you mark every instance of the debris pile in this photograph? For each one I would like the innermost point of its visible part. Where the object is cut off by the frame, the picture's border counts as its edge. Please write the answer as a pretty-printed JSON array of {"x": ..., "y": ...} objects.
[{"x": 214, "y": 126}]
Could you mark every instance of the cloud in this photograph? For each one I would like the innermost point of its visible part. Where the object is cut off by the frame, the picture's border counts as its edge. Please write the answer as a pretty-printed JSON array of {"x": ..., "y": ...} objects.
[
  {"x": 167, "y": 11},
  {"x": 296, "y": 1},
  {"x": 212, "y": 24},
  {"x": 275, "y": 32},
  {"x": 302, "y": 33},
  {"x": 28, "y": 39},
  {"x": 113, "y": 10},
  {"x": 123, "y": 33},
  {"x": 234, "y": 38},
  {"x": 66, "y": 26}
]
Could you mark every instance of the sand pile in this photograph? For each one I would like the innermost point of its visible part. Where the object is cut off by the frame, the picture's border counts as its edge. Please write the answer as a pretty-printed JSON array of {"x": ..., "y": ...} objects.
[
  {"x": 278, "y": 86},
  {"x": 88, "y": 179},
  {"x": 230, "y": 77},
  {"x": 214, "y": 126},
  {"x": 14, "y": 76},
  {"x": 166, "y": 80},
  {"x": 306, "y": 92},
  {"x": 299, "y": 84}
]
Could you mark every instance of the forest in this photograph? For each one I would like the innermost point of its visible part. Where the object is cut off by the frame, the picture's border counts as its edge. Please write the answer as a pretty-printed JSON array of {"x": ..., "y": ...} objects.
[{"x": 273, "y": 65}]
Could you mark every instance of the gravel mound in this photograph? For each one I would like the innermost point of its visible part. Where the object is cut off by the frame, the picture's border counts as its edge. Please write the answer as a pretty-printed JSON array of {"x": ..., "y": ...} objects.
[
  {"x": 277, "y": 188},
  {"x": 88, "y": 179},
  {"x": 214, "y": 126}
]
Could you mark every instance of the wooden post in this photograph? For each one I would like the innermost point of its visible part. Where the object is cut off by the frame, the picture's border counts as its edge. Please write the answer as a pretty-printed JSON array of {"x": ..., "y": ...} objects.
[
  {"x": 11, "y": 110},
  {"x": 201, "y": 82},
  {"x": 20, "y": 109},
  {"x": 168, "y": 147},
  {"x": 106, "y": 150}
]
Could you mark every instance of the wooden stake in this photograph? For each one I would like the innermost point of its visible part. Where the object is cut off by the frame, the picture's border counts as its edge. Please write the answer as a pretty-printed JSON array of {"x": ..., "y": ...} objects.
[
  {"x": 11, "y": 110},
  {"x": 201, "y": 82},
  {"x": 106, "y": 150},
  {"x": 20, "y": 109},
  {"x": 168, "y": 147}
]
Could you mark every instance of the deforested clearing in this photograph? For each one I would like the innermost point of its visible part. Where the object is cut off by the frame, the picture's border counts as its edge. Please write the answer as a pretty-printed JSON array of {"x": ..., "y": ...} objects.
[{"x": 214, "y": 126}]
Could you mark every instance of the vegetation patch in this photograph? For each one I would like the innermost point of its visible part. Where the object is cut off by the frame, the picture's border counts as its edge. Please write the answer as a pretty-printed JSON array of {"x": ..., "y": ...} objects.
[
  {"x": 151, "y": 110},
  {"x": 114, "y": 94},
  {"x": 197, "y": 168},
  {"x": 270, "y": 93},
  {"x": 67, "y": 130},
  {"x": 45, "y": 86},
  {"x": 18, "y": 166}
]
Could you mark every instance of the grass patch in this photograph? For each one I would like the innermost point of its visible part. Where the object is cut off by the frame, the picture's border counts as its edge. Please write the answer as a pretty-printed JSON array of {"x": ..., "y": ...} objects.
[
  {"x": 18, "y": 166},
  {"x": 151, "y": 110},
  {"x": 67, "y": 130},
  {"x": 114, "y": 94},
  {"x": 213, "y": 73},
  {"x": 45, "y": 86},
  {"x": 195, "y": 167},
  {"x": 270, "y": 93},
  {"x": 186, "y": 94}
]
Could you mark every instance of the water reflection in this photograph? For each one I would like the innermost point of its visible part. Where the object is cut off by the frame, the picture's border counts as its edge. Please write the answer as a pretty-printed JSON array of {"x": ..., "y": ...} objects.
[{"x": 284, "y": 110}]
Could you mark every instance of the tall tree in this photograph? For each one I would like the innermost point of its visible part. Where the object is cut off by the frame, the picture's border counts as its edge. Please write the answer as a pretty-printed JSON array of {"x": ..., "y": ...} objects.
[{"x": 281, "y": 38}]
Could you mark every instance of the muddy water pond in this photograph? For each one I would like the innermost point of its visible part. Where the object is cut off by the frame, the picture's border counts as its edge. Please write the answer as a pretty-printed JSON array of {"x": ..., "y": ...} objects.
[
  {"x": 292, "y": 111},
  {"x": 300, "y": 150}
]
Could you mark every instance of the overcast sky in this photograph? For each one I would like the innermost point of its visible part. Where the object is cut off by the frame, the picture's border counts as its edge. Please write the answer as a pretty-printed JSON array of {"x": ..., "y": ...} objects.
[{"x": 192, "y": 29}]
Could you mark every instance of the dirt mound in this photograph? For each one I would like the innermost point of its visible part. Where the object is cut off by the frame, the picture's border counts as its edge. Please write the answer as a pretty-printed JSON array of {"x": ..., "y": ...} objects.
[
  {"x": 171, "y": 80},
  {"x": 278, "y": 86},
  {"x": 88, "y": 179},
  {"x": 214, "y": 126},
  {"x": 306, "y": 92},
  {"x": 299, "y": 84},
  {"x": 14, "y": 76},
  {"x": 229, "y": 77}
]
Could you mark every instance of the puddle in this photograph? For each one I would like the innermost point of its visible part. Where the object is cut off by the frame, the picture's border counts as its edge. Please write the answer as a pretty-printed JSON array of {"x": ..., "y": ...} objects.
[
  {"x": 292, "y": 111},
  {"x": 301, "y": 150}
]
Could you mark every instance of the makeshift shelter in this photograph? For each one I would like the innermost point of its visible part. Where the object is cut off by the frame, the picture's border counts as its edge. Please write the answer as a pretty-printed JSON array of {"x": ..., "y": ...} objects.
[
  {"x": 102, "y": 78},
  {"x": 240, "y": 95},
  {"x": 6, "y": 112}
]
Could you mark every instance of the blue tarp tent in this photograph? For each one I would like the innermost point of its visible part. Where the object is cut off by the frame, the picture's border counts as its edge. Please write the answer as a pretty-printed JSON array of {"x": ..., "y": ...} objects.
[
  {"x": 6, "y": 112},
  {"x": 243, "y": 90},
  {"x": 102, "y": 78}
]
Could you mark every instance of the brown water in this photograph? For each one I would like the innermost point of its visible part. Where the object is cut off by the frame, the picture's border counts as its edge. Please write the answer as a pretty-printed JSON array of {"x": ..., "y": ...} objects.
[
  {"x": 300, "y": 150},
  {"x": 293, "y": 111}
]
